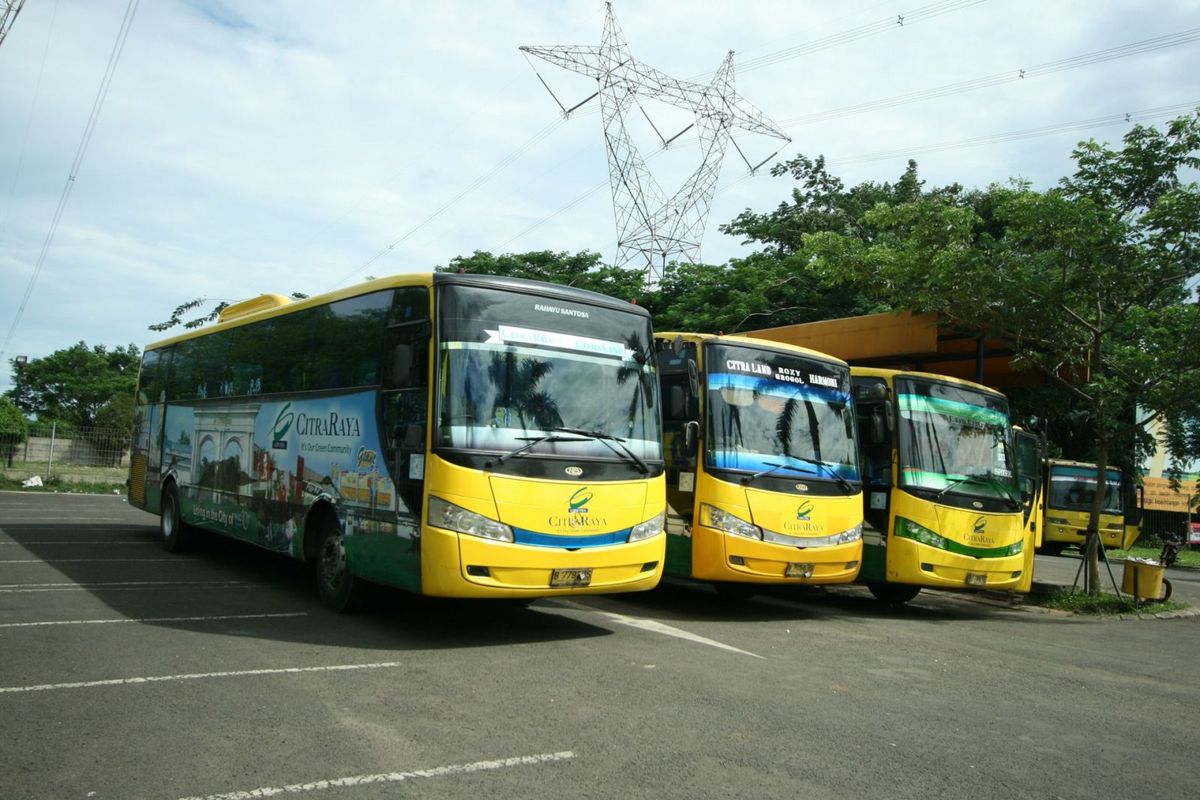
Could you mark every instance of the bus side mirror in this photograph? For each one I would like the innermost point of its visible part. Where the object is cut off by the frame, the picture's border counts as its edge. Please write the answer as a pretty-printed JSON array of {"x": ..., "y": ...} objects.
[
  {"x": 691, "y": 438},
  {"x": 693, "y": 377}
]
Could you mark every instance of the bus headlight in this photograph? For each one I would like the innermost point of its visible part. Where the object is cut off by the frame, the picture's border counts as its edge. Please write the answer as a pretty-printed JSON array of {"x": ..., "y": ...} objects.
[
  {"x": 456, "y": 518},
  {"x": 920, "y": 533},
  {"x": 650, "y": 528},
  {"x": 714, "y": 517}
]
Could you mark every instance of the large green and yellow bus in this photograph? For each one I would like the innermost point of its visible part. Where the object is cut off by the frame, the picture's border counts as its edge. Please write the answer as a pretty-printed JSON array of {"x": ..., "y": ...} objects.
[
  {"x": 762, "y": 470},
  {"x": 940, "y": 496},
  {"x": 453, "y": 435},
  {"x": 1070, "y": 489}
]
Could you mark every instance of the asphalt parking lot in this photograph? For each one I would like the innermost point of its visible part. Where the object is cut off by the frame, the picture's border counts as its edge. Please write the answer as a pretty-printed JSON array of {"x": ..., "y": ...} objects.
[{"x": 128, "y": 672}]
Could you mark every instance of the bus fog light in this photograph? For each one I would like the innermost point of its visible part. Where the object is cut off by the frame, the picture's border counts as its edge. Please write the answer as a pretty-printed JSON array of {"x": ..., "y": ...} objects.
[
  {"x": 456, "y": 518},
  {"x": 714, "y": 517},
  {"x": 650, "y": 528},
  {"x": 737, "y": 561}
]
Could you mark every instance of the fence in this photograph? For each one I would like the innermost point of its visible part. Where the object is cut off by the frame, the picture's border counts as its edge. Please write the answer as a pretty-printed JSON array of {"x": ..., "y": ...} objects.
[{"x": 68, "y": 452}]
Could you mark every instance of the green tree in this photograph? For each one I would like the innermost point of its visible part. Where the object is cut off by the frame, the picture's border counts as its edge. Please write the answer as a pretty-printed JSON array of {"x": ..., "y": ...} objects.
[
  {"x": 1086, "y": 282},
  {"x": 74, "y": 384},
  {"x": 13, "y": 429}
]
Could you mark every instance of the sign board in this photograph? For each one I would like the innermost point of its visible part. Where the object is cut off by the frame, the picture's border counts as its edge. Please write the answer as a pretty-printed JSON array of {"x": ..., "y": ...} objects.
[
  {"x": 1159, "y": 496},
  {"x": 1194, "y": 533}
]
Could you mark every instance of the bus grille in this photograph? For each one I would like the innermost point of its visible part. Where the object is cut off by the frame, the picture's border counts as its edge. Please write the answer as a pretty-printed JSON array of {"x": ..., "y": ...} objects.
[{"x": 137, "y": 480}]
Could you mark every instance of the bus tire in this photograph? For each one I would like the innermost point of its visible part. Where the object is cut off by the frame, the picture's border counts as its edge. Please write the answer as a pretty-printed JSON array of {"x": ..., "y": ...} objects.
[
  {"x": 894, "y": 594},
  {"x": 337, "y": 587},
  {"x": 174, "y": 535},
  {"x": 1051, "y": 548}
]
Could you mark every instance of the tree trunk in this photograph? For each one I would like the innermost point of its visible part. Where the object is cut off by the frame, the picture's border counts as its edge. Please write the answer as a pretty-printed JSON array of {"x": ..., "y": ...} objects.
[{"x": 1093, "y": 526}]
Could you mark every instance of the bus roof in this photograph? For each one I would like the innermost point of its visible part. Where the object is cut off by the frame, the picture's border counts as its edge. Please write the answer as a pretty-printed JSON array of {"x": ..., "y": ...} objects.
[
  {"x": 889, "y": 374},
  {"x": 758, "y": 344},
  {"x": 271, "y": 307}
]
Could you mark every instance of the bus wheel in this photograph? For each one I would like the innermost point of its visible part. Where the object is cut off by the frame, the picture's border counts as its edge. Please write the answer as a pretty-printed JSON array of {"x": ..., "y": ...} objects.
[
  {"x": 173, "y": 533},
  {"x": 894, "y": 594},
  {"x": 1052, "y": 548},
  {"x": 340, "y": 591}
]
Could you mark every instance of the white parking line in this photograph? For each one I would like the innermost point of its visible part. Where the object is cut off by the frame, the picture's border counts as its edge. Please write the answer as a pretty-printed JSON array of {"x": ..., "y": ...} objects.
[
  {"x": 149, "y": 620},
  {"x": 92, "y": 560},
  {"x": 655, "y": 626},
  {"x": 196, "y": 676},
  {"x": 17, "y": 588},
  {"x": 390, "y": 777}
]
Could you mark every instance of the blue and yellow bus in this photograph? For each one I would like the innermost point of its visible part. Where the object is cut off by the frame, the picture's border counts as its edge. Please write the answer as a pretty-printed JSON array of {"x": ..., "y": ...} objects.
[
  {"x": 453, "y": 435},
  {"x": 763, "y": 484}
]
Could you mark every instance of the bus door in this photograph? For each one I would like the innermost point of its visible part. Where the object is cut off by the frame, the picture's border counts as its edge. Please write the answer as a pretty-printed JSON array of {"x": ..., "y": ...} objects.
[
  {"x": 679, "y": 376},
  {"x": 150, "y": 416},
  {"x": 875, "y": 426},
  {"x": 405, "y": 400},
  {"x": 1134, "y": 499},
  {"x": 1030, "y": 480}
]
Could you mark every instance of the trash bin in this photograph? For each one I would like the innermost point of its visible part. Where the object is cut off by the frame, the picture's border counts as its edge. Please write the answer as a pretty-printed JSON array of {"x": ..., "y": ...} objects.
[{"x": 1143, "y": 579}]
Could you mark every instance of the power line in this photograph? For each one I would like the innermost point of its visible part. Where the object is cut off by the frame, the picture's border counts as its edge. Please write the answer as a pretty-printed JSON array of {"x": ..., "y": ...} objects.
[
  {"x": 89, "y": 129},
  {"x": 995, "y": 79}
]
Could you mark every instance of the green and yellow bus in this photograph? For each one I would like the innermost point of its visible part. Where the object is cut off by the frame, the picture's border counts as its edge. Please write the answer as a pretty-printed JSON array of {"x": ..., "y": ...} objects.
[
  {"x": 1070, "y": 489},
  {"x": 940, "y": 496},
  {"x": 762, "y": 469},
  {"x": 453, "y": 435}
]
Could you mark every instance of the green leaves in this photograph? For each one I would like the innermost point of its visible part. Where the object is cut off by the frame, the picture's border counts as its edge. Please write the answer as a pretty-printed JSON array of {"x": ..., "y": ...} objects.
[{"x": 74, "y": 384}]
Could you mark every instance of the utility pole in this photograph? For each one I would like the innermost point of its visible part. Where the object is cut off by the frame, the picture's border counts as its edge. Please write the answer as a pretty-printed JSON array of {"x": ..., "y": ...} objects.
[{"x": 8, "y": 15}]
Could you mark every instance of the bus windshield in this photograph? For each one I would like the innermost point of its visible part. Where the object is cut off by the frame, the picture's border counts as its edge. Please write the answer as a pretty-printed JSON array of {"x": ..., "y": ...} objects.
[
  {"x": 514, "y": 366},
  {"x": 1074, "y": 488},
  {"x": 954, "y": 439},
  {"x": 769, "y": 410}
]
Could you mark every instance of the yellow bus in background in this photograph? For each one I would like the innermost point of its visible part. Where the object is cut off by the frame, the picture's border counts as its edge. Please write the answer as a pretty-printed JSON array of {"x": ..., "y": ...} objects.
[
  {"x": 762, "y": 470},
  {"x": 941, "y": 502},
  {"x": 1070, "y": 488},
  {"x": 453, "y": 435}
]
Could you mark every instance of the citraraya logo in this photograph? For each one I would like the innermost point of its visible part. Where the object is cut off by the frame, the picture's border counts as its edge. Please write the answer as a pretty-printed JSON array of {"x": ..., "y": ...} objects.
[
  {"x": 578, "y": 502},
  {"x": 804, "y": 511},
  {"x": 283, "y": 424},
  {"x": 980, "y": 525}
]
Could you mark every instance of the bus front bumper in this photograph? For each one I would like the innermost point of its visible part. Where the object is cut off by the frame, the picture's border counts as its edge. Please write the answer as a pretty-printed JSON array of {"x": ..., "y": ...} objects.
[
  {"x": 923, "y": 565},
  {"x": 720, "y": 556},
  {"x": 458, "y": 565}
]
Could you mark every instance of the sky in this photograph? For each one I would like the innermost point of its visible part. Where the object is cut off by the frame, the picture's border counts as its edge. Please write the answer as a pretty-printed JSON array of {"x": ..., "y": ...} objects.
[{"x": 303, "y": 146}]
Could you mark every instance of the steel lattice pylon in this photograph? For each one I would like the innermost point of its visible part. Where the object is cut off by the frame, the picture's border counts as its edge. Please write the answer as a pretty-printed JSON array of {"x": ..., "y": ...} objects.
[
  {"x": 8, "y": 15},
  {"x": 649, "y": 223}
]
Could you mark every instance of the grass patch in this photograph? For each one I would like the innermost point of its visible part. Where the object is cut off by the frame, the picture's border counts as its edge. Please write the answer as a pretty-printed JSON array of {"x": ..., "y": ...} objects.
[
  {"x": 1187, "y": 558},
  {"x": 1099, "y": 605},
  {"x": 55, "y": 484}
]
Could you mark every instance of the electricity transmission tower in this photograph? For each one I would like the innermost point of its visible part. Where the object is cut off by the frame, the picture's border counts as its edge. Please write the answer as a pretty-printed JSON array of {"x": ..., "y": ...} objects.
[
  {"x": 8, "y": 15},
  {"x": 650, "y": 224}
]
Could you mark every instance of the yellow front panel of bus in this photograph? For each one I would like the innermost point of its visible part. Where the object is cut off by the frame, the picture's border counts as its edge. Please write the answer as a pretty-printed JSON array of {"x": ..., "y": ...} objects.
[
  {"x": 942, "y": 547},
  {"x": 558, "y": 526},
  {"x": 1070, "y": 527},
  {"x": 721, "y": 556}
]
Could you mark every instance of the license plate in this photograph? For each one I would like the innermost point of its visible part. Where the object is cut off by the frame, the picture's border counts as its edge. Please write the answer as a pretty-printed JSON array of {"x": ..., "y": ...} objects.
[
  {"x": 797, "y": 570},
  {"x": 976, "y": 579},
  {"x": 579, "y": 576}
]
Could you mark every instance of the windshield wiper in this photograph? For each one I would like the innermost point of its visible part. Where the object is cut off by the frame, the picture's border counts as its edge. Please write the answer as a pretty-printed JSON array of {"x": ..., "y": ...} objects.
[
  {"x": 1013, "y": 502},
  {"x": 607, "y": 439},
  {"x": 845, "y": 484},
  {"x": 531, "y": 441}
]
